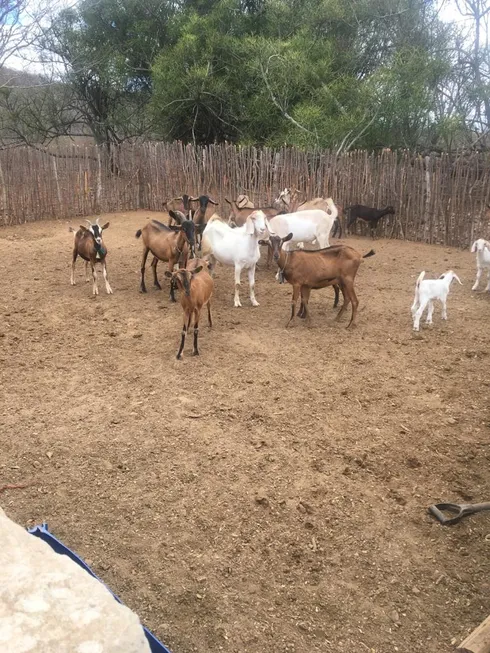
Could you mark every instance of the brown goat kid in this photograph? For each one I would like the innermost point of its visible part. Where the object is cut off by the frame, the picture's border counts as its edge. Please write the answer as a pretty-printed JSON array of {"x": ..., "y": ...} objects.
[
  {"x": 88, "y": 244},
  {"x": 166, "y": 244},
  {"x": 308, "y": 270},
  {"x": 196, "y": 287}
]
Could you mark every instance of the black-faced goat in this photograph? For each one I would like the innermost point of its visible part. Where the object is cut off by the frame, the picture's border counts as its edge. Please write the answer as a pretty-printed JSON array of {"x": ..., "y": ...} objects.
[
  {"x": 171, "y": 244},
  {"x": 88, "y": 244},
  {"x": 308, "y": 270},
  {"x": 202, "y": 214}
]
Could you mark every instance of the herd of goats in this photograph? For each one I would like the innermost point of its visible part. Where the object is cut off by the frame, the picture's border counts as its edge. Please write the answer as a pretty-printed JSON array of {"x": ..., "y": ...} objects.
[{"x": 297, "y": 237}]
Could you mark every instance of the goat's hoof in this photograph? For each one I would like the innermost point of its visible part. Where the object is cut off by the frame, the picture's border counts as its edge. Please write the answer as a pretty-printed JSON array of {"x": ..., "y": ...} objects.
[
  {"x": 254, "y": 302},
  {"x": 142, "y": 289},
  {"x": 195, "y": 353},
  {"x": 110, "y": 291},
  {"x": 238, "y": 305},
  {"x": 179, "y": 357}
]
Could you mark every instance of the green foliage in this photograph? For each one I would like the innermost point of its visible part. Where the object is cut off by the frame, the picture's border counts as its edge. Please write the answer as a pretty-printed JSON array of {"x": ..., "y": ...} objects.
[{"x": 328, "y": 73}]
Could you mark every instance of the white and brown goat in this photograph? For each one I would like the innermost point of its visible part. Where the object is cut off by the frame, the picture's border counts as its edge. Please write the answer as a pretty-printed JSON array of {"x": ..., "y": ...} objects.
[{"x": 88, "y": 244}]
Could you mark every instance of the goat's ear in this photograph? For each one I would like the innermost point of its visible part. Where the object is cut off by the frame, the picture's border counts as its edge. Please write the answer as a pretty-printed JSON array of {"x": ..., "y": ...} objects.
[
  {"x": 105, "y": 226},
  {"x": 197, "y": 270},
  {"x": 168, "y": 274},
  {"x": 176, "y": 215},
  {"x": 288, "y": 237},
  {"x": 249, "y": 227},
  {"x": 263, "y": 242},
  {"x": 212, "y": 201},
  {"x": 82, "y": 228}
]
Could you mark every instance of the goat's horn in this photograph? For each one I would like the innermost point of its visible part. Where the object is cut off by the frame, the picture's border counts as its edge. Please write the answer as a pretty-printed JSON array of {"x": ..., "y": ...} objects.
[
  {"x": 97, "y": 221},
  {"x": 89, "y": 222}
]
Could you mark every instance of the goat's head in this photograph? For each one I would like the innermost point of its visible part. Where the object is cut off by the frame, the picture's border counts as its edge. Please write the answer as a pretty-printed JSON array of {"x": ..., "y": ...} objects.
[
  {"x": 480, "y": 245},
  {"x": 275, "y": 243},
  {"x": 96, "y": 230},
  {"x": 284, "y": 198},
  {"x": 203, "y": 200},
  {"x": 189, "y": 231},
  {"x": 182, "y": 278},
  {"x": 449, "y": 276},
  {"x": 256, "y": 224}
]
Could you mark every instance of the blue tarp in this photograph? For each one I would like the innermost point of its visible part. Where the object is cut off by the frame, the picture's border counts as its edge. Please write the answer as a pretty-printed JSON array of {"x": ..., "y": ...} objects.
[{"x": 43, "y": 533}]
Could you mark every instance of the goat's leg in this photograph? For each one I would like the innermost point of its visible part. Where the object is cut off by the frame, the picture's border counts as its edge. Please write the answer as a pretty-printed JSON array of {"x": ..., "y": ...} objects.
[
  {"x": 418, "y": 315},
  {"x": 305, "y": 298},
  {"x": 185, "y": 328},
  {"x": 143, "y": 264},
  {"x": 251, "y": 283},
  {"x": 195, "y": 351},
  {"x": 269, "y": 256},
  {"x": 477, "y": 280},
  {"x": 238, "y": 271},
  {"x": 74, "y": 259},
  {"x": 488, "y": 283},
  {"x": 104, "y": 272},
  {"x": 95, "y": 290},
  {"x": 372, "y": 227},
  {"x": 294, "y": 299},
  {"x": 210, "y": 321},
  {"x": 444, "y": 308},
  {"x": 345, "y": 303},
  {"x": 87, "y": 276},
  {"x": 171, "y": 266},
  {"x": 351, "y": 294},
  {"x": 337, "y": 295},
  {"x": 154, "y": 264},
  {"x": 430, "y": 311}
]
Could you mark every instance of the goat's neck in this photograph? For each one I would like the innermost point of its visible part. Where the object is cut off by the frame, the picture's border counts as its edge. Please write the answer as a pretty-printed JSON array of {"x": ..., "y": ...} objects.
[{"x": 283, "y": 260}]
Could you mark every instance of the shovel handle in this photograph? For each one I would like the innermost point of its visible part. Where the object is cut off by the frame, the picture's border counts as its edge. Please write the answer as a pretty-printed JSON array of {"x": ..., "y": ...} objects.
[{"x": 459, "y": 510}]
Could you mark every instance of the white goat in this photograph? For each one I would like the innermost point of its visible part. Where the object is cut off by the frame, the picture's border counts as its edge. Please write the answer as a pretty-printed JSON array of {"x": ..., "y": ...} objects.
[
  {"x": 311, "y": 226},
  {"x": 425, "y": 293},
  {"x": 238, "y": 247},
  {"x": 482, "y": 249}
]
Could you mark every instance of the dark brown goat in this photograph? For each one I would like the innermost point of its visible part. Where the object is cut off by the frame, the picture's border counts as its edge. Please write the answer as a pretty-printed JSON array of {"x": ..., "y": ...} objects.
[
  {"x": 166, "y": 244},
  {"x": 177, "y": 204},
  {"x": 88, "y": 244},
  {"x": 202, "y": 214},
  {"x": 308, "y": 270},
  {"x": 196, "y": 287},
  {"x": 366, "y": 213}
]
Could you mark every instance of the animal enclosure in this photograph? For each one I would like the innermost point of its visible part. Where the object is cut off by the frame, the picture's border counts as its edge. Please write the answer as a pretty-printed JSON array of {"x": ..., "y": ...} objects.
[
  {"x": 270, "y": 495},
  {"x": 437, "y": 199}
]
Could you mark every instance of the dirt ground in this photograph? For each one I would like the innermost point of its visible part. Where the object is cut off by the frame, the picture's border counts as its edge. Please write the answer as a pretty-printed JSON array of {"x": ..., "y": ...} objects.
[{"x": 271, "y": 495}]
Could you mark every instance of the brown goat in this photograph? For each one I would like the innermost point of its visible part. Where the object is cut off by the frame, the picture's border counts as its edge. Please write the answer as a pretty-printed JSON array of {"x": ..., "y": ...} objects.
[
  {"x": 88, "y": 244},
  {"x": 177, "y": 204},
  {"x": 202, "y": 214},
  {"x": 308, "y": 270},
  {"x": 196, "y": 287},
  {"x": 166, "y": 244}
]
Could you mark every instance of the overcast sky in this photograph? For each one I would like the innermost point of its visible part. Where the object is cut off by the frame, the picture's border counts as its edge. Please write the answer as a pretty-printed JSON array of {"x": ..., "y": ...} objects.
[{"x": 29, "y": 62}]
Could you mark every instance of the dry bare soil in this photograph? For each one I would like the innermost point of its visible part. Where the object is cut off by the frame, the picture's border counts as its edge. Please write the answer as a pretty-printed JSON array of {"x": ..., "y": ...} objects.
[{"x": 271, "y": 495}]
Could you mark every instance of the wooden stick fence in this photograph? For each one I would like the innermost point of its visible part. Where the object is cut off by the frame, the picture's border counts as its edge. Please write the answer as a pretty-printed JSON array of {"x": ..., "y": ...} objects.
[{"x": 438, "y": 199}]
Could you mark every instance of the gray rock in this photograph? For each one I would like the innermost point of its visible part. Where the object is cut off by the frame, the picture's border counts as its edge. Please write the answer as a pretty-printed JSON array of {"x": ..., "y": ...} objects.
[{"x": 50, "y": 604}]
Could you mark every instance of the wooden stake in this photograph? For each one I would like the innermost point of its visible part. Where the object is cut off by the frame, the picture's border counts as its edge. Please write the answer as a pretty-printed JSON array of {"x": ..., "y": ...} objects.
[{"x": 478, "y": 641}]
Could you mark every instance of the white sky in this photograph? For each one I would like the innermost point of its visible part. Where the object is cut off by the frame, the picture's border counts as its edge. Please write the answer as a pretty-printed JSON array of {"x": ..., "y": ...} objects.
[{"x": 28, "y": 61}]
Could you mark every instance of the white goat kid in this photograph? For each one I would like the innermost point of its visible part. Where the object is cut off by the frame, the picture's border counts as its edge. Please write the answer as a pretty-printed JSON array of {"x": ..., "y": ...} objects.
[
  {"x": 238, "y": 247},
  {"x": 311, "y": 226},
  {"x": 426, "y": 291},
  {"x": 482, "y": 249}
]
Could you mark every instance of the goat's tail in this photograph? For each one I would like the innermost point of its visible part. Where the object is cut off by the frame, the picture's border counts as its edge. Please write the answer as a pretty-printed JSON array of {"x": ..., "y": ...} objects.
[
  {"x": 72, "y": 230},
  {"x": 138, "y": 233},
  {"x": 370, "y": 253},
  {"x": 420, "y": 278}
]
